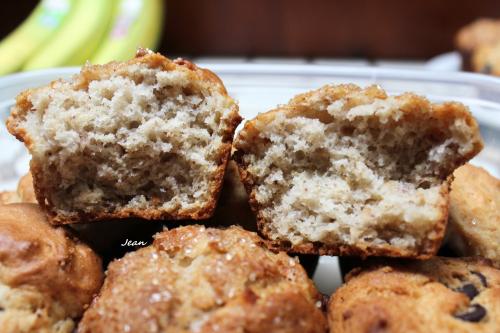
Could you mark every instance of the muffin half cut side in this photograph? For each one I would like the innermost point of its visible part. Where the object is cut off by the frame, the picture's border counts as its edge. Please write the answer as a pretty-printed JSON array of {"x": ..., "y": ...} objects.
[
  {"x": 146, "y": 138},
  {"x": 344, "y": 170}
]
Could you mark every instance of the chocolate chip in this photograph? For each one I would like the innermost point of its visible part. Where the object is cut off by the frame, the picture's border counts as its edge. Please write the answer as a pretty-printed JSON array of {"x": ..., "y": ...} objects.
[
  {"x": 379, "y": 327},
  {"x": 468, "y": 289},
  {"x": 473, "y": 314},
  {"x": 347, "y": 314},
  {"x": 481, "y": 277}
]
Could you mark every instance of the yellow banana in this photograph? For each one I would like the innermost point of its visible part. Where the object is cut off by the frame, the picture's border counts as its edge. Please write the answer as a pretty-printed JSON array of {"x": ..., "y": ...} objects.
[
  {"x": 37, "y": 29},
  {"x": 78, "y": 38},
  {"x": 137, "y": 23}
]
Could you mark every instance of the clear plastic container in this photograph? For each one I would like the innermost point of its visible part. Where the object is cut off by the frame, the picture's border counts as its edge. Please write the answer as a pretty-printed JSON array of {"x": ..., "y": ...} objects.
[{"x": 260, "y": 87}]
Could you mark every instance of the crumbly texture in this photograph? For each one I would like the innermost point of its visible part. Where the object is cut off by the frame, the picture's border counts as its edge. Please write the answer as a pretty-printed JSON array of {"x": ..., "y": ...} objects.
[
  {"x": 483, "y": 31},
  {"x": 439, "y": 295},
  {"x": 148, "y": 138},
  {"x": 345, "y": 170},
  {"x": 474, "y": 219},
  {"x": 46, "y": 278},
  {"x": 486, "y": 59},
  {"x": 196, "y": 279}
]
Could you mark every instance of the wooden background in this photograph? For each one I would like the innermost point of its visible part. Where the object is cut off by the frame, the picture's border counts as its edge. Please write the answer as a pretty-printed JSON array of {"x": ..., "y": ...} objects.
[{"x": 314, "y": 28}]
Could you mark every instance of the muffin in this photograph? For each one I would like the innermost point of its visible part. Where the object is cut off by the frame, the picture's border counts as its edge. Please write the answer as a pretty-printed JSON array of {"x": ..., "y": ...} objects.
[
  {"x": 25, "y": 189},
  {"x": 486, "y": 59},
  {"x": 438, "y": 295},
  {"x": 46, "y": 278},
  {"x": 348, "y": 171},
  {"x": 481, "y": 32},
  {"x": 197, "y": 279},
  {"x": 146, "y": 138},
  {"x": 24, "y": 192},
  {"x": 474, "y": 219},
  {"x": 7, "y": 197}
]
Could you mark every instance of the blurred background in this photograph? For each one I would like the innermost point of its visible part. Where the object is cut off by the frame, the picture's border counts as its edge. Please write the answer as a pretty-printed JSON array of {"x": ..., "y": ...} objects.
[{"x": 51, "y": 33}]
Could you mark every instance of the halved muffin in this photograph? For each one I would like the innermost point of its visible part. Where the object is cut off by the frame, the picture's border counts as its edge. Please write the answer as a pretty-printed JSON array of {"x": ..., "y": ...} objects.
[
  {"x": 148, "y": 138},
  {"x": 344, "y": 170}
]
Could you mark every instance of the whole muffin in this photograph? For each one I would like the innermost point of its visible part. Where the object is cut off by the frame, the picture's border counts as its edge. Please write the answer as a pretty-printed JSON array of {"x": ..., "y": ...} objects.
[
  {"x": 345, "y": 170},
  {"x": 486, "y": 59},
  {"x": 438, "y": 295},
  {"x": 197, "y": 279},
  {"x": 46, "y": 278},
  {"x": 483, "y": 32},
  {"x": 474, "y": 219},
  {"x": 147, "y": 138}
]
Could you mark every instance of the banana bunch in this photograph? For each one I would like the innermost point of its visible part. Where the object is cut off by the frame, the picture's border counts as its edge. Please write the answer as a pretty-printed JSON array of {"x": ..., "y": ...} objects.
[
  {"x": 70, "y": 32},
  {"x": 137, "y": 23},
  {"x": 22, "y": 43}
]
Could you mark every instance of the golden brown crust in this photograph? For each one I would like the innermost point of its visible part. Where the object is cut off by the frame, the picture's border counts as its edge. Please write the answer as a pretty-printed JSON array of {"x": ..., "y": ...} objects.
[
  {"x": 25, "y": 189},
  {"x": 438, "y": 295},
  {"x": 445, "y": 113},
  {"x": 474, "y": 219},
  {"x": 24, "y": 192},
  {"x": 474, "y": 41},
  {"x": 34, "y": 254},
  {"x": 7, "y": 197},
  {"x": 486, "y": 59},
  {"x": 195, "y": 279},
  {"x": 81, "y": 81}
]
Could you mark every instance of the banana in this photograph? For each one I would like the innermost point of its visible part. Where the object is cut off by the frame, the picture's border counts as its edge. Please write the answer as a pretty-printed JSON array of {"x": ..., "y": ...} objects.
[
  {"x": 78, "y": 38},
  {"x": 40, "y": 25},
  {"x": 137, "y": 23}
]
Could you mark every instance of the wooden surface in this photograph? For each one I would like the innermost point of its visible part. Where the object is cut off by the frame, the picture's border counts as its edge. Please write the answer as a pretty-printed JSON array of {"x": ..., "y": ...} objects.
[
  {"x": 304, "y": 28},
  {"x": 319, "y": 28}
]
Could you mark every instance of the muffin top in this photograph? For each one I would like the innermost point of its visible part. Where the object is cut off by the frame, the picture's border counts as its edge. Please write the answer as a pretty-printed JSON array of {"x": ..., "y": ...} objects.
[
  {"x": 484, "y": 31},
  {"x": 197, "y": 279},
  {"x": 474, "y": 219},
  {"x": 35, "y": 255},
  {"x": 437, "y": 295}
]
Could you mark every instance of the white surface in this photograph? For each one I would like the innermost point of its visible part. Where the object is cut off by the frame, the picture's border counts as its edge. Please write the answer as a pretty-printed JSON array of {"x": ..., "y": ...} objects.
[
  {"x": 219, "y": 60},
  {"x": 400, "y": 64},
  {"x": 327, "y": 276},
  {"x": 278, "y": 61},
  {"x": 447, "y": 62},
  {"x": 260, "y": 87},
  {"x": 341, "y": 62}
]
